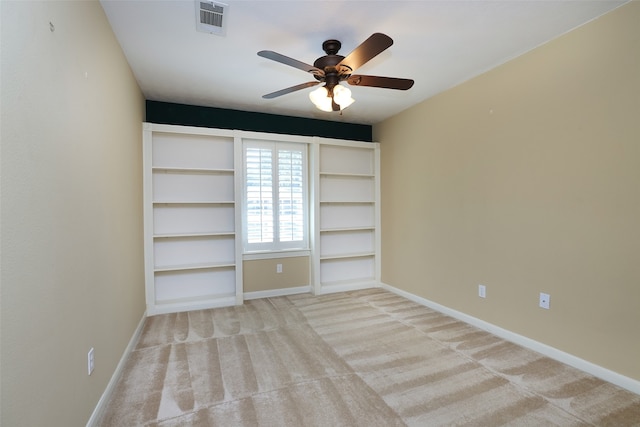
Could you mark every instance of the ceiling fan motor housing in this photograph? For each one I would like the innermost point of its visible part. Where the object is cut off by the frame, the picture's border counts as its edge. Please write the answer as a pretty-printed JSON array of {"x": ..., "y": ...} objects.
[{"x": 327, "y": 63}]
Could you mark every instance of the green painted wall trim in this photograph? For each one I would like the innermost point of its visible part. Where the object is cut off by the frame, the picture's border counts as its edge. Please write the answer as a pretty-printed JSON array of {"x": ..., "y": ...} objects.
[{"x": 220, "y": 118}]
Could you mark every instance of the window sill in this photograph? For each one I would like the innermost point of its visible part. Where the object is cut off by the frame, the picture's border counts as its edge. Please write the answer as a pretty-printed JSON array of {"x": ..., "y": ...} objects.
[{"x": 248, "y": 256}]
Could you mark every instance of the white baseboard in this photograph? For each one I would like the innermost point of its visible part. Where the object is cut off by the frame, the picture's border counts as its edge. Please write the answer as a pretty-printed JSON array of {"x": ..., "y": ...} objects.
[
  {"x": 552, "y": 352},
  {"x": 106, "y": 396},
  {"x": 332, "y": 288},
  {"x": 277, "y": 292},
  {"x": 205, "y": 304}
]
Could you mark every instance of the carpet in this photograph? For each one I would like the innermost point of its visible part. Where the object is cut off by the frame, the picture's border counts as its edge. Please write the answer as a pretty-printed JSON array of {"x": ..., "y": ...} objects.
[{"x": 362, "y": 358}]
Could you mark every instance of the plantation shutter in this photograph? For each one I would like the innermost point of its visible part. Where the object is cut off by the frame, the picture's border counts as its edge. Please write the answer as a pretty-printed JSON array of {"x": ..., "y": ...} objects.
[{"x": 276, "y": 196}]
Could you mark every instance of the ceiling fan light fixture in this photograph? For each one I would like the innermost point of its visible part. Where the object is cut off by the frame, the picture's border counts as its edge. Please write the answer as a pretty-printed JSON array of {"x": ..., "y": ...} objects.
[
  {"x": 319, "y": 97},
  {"x": 342, "y": 96},
  {"x": 322, "y": 99}
]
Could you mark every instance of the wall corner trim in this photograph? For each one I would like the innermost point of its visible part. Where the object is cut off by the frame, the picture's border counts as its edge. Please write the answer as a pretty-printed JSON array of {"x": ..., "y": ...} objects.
[
  {"x": 108, "y": 391},
  {"x": 551, "y": 352}
]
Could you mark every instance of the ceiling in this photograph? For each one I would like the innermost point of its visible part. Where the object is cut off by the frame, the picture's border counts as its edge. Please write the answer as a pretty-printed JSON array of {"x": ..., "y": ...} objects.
[{"x": 439, "y": 44}]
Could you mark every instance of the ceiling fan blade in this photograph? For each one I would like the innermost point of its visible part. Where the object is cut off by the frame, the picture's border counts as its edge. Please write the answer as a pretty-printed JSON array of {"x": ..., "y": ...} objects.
[
  {"x": 289, "y": 90},
  {"x": 367, "y": 50},
  {"x": 383, "y": 82},
  {"x": 274, "y": 56}
]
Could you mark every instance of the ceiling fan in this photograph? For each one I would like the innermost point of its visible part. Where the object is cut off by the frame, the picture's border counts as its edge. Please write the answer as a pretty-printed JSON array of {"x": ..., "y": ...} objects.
[{"x": 332, "y": 69}]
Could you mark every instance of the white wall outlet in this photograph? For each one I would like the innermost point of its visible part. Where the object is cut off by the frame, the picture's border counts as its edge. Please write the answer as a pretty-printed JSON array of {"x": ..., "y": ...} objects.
[
  {"x": 278, "y": 268},
  {"x": 90, "y": 361},
  {"x": 482, "y": 291},
  {"x": 544, "y": 300}
]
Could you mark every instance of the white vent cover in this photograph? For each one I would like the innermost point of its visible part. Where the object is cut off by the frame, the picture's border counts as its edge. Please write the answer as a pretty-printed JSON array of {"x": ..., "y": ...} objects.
[{"x": 211, "y": 17}]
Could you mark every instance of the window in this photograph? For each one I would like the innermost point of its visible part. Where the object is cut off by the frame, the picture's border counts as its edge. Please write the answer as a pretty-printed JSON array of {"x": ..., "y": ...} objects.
[{"x": 275, "y": 196}]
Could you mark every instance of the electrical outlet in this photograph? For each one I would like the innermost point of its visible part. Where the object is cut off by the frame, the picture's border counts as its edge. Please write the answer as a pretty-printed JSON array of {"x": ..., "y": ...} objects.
[
  {"x": 90, "y": 361},
  {"x": 544, "y": 300},
  {"x": 482, "y": 291},
  {"x": 278, "y": 268}
]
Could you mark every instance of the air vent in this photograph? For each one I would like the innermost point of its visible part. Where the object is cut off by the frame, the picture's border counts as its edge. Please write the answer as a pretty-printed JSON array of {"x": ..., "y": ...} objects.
[{"x": 211, "y": 17}]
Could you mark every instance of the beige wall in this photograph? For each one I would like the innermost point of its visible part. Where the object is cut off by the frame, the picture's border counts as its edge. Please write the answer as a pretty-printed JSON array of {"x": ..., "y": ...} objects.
[
  {"x": 261, "y": 275},
  {"x": 527, "y": 179},
  {"x": 71, "y": 167}
]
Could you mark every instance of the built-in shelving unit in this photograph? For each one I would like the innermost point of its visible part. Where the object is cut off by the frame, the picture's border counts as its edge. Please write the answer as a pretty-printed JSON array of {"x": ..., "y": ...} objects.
[
  {"x": 193, "y": 209},
  {"x": 190, "y": 219},
  {"x": 347, "y": 238}
]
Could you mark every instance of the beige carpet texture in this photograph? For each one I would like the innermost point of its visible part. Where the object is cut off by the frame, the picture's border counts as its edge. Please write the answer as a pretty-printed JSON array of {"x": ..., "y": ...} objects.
[{"x": 362, "y": 358}]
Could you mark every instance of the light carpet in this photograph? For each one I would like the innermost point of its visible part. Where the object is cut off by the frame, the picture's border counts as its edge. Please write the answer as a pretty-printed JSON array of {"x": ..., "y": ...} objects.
[{"x": 362, "y": 358}]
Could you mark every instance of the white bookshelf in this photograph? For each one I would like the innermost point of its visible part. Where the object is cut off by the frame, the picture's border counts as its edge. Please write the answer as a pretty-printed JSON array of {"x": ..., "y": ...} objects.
[
  {"x": 347, "y": 239},
  {"x": 193, "y": 188},
  {"x": 191, "y": 244}
]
